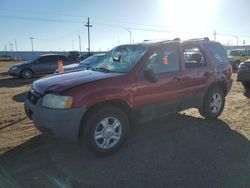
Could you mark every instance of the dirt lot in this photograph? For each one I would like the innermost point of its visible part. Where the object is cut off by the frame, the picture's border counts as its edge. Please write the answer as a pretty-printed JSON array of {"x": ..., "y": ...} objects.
[{"x": 181, "y": 150}]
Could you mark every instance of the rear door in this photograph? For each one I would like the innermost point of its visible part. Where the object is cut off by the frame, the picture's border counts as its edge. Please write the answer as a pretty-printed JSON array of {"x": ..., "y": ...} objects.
[
  {"x": 198, "y": 73},
  {"x": 154, "y": 99}
]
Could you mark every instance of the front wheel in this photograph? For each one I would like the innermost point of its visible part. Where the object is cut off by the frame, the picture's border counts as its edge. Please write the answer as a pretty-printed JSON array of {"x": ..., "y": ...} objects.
[
  {"x": 105, "y": 129},
  {"x": 213, "y": 104},
  {"x": 27, "y": 74}
]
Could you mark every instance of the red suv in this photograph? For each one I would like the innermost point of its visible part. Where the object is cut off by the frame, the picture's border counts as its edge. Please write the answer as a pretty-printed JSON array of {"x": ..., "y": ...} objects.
[{"x": 131, "y": 82}]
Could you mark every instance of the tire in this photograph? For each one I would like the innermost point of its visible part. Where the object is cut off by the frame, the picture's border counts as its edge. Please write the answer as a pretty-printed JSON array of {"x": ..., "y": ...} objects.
[
  {"x": 213, "y": 104},
  {"x": 27, "y": 74},
  {"x": 104, "y": 130},
  {"x": 246, "y": 85}
]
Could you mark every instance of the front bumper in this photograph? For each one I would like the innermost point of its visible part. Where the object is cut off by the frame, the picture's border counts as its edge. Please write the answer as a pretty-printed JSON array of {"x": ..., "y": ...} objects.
[
  {"x": 61, "y": 123},
  {"x": 14, "y": 72}
]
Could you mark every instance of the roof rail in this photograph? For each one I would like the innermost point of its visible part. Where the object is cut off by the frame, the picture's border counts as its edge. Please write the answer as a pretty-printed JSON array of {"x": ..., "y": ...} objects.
[
  {"x": 205, "y": 38},
  {"x": 175, "y": 39}
]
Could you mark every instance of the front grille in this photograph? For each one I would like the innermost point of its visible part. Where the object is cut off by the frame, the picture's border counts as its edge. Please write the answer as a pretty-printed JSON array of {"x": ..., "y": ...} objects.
[{"x": 33, "y": 96}]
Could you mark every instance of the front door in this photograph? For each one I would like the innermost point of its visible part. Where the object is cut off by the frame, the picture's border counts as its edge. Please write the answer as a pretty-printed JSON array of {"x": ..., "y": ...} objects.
[{"x": 158, "y": 98}]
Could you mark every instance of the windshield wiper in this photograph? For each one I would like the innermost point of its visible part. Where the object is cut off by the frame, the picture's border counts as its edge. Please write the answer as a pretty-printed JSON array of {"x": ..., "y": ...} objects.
[{"x": 103, "y": 69}]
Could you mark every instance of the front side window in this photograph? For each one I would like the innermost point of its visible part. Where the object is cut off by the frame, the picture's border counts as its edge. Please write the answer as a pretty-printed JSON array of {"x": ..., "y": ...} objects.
[
  {"x": 164, "y": 61},
  {"x": 121, "y": 59},
  {"x": 44, "y": 59},
  {"x": 193, "y": 57}
]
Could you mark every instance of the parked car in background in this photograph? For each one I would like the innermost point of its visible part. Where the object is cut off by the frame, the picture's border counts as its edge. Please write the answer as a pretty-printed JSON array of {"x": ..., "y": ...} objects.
[
  {"x": 85, "y": 56},
  {"x": 237, "y": 56},
  {"x": 85, "y": 64},
  {"x": 243, "y": 74},
  {"x": 7, "y": 58},
  {"x": 131, "y": 82},
  {"x": 45, "y": 64},
  {"x": 74, "y": 55}
]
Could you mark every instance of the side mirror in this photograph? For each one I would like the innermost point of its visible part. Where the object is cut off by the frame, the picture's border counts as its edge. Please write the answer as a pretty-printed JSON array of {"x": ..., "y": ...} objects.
[{"x": 150, "y": 75}]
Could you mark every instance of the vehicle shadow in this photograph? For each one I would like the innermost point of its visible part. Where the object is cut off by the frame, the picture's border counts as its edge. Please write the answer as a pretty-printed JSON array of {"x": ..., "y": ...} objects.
[
  {"x": 10, "y": 82},
  {"x": 20, "y": 97},
  {"x": 176, "y": 151}
]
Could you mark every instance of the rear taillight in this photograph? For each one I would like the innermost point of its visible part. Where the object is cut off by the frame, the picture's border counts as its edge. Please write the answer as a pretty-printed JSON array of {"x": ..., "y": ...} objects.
[{"x": 230, "y": 71}]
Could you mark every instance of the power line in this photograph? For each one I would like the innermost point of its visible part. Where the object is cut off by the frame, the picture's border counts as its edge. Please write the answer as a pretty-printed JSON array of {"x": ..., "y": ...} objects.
[
  {"x": 78, "y": 16},
  {"x": 133, "y": 28},
  {"x": 110, "y": 25},
  {"x": 38, "y": 19}
]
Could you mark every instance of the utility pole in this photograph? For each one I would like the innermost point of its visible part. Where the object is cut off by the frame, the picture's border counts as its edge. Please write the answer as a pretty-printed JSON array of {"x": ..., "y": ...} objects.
[
  {"x": 215, "y": 33},
  {"x": 11, "y": 46},
  {"x": 15, "y": 44},
  {"x": 31, "y": 40},
  {"x": 80, "y": 43},
  {"x": 32, "y": 47},
  {"x": 130, "y": 35},
  {"x": 73, "y": 46},
  {"x": 88, "y": 26}
]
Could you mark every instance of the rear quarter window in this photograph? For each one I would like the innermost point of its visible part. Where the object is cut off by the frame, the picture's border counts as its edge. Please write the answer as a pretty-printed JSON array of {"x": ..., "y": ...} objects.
[{"x": 218, "y": 52}]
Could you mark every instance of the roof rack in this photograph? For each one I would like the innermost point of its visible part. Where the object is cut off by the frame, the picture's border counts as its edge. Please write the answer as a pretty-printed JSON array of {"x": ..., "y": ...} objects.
[
  {"x": 175, "y": 39},
  {"x": 205, "y": 38}
]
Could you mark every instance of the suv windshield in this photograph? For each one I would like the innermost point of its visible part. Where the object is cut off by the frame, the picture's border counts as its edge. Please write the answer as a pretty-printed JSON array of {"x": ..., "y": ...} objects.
[
  {"x": 89, "y": 60},
  {"x": 121, "y": 59}
]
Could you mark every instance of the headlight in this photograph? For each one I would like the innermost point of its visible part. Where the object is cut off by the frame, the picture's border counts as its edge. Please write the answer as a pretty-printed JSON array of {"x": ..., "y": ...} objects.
[
  {"x": 57, "y": 101},
  {"x": 13, "y": 68}
]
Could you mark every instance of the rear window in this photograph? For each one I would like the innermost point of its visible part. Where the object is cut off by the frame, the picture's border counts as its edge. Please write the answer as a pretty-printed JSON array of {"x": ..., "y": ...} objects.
[{"x": 218, "y": 52}]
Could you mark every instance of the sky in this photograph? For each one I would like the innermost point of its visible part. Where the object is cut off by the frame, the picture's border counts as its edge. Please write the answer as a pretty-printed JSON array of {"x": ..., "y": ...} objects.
[{"x": 56, "y": 25}]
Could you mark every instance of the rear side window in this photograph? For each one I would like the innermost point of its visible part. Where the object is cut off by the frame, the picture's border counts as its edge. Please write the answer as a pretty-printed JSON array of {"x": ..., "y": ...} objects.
[
  {"x": 194, "y": 57},
  {"x": 55, "y": 58},
  {"x": 218, "y": 52}
]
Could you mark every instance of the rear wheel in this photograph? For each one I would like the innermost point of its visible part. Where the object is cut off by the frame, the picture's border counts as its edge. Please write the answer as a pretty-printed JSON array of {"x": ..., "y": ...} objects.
[
  {"x": 27, "y": 74},
  {"x": 246, "y": 85},
  {"x": 213, "y": 104},
  {"x": 105, "y": 129}
]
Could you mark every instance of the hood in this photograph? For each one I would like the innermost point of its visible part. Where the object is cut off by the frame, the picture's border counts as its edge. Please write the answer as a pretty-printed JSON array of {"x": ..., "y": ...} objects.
[
  {"x": 71, "y": 66},
  {"x": 18, "y": 65},
  {"x": 61, "y": 82},
  {"x": 24, "y": 64}
]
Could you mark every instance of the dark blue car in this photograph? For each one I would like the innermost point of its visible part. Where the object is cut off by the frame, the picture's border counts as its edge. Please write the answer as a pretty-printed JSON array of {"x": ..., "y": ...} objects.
[{"x": 45, "y": 64}]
